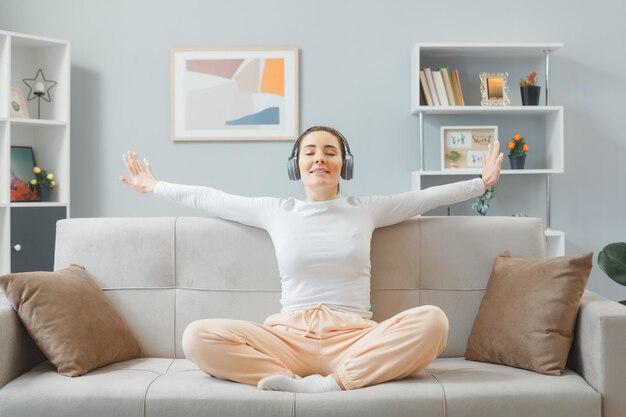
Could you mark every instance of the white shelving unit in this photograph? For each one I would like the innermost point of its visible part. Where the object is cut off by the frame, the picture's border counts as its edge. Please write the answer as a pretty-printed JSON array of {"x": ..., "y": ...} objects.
[
  {"x": 544, "y": 121},
  {"x": 21, "y": 56}
]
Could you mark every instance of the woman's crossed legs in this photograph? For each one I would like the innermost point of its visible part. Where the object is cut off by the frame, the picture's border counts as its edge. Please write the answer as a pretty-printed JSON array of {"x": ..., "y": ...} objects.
[{"x": 355, "y": 351}]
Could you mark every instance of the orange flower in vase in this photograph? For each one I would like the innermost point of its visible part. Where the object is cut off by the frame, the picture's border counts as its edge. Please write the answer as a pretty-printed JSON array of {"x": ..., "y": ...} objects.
[
  {"x": 530, "y": 90},
  {"x": 518, "y": 149},
  {"x": 531, "y": 80}
]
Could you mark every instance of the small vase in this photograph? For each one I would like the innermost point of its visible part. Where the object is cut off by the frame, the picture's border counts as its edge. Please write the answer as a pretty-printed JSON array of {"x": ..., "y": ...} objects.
[
  {"x": 517, "y": 162},
  {"x": 45, "y": 194},
  {"x": 530, "y": 95}
]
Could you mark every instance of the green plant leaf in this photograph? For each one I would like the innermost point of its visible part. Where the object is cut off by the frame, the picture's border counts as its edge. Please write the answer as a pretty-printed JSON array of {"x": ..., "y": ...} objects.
[{"x": 612, "y": 260}]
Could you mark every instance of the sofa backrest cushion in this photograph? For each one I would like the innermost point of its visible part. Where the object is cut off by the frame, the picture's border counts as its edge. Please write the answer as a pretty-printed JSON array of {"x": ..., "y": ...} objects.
[{"x": 164, "y": 273}]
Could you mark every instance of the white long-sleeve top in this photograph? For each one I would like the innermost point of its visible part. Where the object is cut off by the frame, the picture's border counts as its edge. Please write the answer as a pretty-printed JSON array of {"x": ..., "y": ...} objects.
[{"x": 322, "y": 247}]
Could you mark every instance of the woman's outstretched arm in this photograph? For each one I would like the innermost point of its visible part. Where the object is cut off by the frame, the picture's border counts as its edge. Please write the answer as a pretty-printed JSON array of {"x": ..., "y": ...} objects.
[
  {"x": 392, "y": 209},
  {"x": 253, "y": 211},
  {"x": 141, "y": 179}
]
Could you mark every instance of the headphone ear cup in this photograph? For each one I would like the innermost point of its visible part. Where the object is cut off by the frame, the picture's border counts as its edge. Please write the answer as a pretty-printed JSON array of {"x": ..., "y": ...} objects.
[
  {"x": 348, "y": 168},
  {"x": 292, "y": 169}
]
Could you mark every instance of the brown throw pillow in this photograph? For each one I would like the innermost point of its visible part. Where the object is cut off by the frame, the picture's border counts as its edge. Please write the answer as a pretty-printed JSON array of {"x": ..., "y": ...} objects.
[
  {"x": 70, "y": 319},
  {"x": 527, "y": 316}
]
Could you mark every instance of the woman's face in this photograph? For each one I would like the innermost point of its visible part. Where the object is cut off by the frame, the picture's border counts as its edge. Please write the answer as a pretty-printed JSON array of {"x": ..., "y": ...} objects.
[{"x": 320, "y": 160}]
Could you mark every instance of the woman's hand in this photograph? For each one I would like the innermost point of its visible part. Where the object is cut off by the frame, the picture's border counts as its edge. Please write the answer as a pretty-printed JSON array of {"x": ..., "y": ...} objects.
[
  {"x": 492, "y": 164},
  {"x": 142, "y": 179}
]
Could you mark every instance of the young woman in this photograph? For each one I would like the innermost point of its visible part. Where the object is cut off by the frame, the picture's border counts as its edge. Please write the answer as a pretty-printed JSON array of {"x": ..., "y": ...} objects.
[{"x": 323, "y": 331}]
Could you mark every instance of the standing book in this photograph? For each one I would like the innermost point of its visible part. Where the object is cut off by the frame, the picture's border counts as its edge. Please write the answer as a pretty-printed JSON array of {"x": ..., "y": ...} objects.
[
  {"x": 446, "y": 80},
  {"x": 431, "y": 86},
  {"x": 425, "y": 89},
  {"x": 441, "y": 88},
  {"x": 456, "y": 86}
]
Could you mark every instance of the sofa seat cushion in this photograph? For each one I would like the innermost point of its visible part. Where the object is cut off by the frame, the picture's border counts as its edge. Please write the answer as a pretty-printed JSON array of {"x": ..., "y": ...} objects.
[
  {"x": 477, "y": 389},
  {"x": 155, "y": 387},
  {"x": 137, "y": 388}
]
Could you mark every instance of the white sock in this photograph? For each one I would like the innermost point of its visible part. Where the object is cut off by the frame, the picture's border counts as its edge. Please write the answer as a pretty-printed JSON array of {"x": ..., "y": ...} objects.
[{"x": 309, "y": 384}]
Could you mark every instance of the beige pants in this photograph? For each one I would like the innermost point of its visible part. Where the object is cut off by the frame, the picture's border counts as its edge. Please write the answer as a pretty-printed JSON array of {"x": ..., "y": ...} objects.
[{"x": 319, "y": 340}]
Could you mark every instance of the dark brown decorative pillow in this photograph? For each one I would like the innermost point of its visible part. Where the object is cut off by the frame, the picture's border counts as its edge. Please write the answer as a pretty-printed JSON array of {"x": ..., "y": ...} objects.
[
  {"x": 70, "y": 319},
  {"x": 527, "y": 316}
]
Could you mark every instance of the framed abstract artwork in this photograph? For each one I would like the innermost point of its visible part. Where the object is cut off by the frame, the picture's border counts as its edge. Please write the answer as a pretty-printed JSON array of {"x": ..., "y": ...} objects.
[{"x": 232, "y": 94}]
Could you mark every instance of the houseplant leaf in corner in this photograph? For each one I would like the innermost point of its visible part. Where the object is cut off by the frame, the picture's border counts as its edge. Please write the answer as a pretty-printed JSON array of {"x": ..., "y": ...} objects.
[{"x": 612, "y": 260}]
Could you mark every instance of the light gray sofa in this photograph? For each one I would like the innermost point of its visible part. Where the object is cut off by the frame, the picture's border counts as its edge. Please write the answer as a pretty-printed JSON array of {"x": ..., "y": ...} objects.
[{"x": 163, "y": 273}]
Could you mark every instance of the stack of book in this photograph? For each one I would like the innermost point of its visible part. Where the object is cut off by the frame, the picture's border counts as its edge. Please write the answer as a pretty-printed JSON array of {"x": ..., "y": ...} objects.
[{"x": 441, "y": 87}]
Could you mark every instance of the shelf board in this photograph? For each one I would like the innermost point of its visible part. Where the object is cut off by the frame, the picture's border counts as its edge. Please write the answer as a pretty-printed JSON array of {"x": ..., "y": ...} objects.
[
  {"x": 486, "y": 109},
  {"x": 38, "y": 204},
  {"x": 37, "y": 122},
  {"x": 24, "y": 40},
  {"x": 487, "y": 49},
  {"x": 460, "y": 171},
  {"x": 554, "y": 233}
]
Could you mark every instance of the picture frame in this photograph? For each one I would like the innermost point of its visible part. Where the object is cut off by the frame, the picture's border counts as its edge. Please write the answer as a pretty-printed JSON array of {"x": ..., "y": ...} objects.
[
  {"x": 469, "y": 142},
  {"x": 234, "y": 94},
  {"x": 18, "y": 104},
  {"x": 22, "y": 164},
  {"x": 494, "y": 89}
]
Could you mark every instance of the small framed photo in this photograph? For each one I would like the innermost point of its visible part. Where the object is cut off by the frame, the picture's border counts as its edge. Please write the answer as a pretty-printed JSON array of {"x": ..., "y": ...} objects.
[
  {"x": 462, "y": 147},
  {"x": 18, "y": 105},
  {"x": 494, "y": 89},
  {"x": 234, "y": 94},
  {"x": 22, "y": 164}
]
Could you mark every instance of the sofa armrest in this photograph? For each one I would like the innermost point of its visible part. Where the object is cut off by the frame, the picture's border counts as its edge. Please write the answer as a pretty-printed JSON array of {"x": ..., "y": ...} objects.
[
  {"x": 18, "y": 352},
  {"x": 599, "y": 350}
]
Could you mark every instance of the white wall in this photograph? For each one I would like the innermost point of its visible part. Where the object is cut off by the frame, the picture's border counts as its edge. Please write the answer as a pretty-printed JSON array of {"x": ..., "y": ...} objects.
[{"x": 354, "y": 75}]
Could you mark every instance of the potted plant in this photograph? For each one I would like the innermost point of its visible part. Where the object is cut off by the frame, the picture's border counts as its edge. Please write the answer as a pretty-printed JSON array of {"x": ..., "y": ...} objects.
[
  {"x": 43, "y": 183},
  {"x": 612, "y": 260},
  {"x": 453, "y": 156},
  {"x": 530, "y": 90},
  {"x": 481, "y": 202},
  {"x": 517, "y": 155}
]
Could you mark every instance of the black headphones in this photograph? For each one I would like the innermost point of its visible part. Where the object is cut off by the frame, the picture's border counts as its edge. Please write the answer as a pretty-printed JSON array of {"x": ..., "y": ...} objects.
[{"x": 348, "y": 161}]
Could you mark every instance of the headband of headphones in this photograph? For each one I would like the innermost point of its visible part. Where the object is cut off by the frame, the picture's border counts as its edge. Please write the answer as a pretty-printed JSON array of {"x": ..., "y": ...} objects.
[{"x": 348, "y": 161}]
